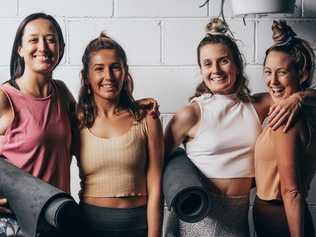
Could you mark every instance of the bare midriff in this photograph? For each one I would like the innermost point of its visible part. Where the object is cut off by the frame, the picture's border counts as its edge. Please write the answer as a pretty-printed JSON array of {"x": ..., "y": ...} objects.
[
  {"x": 116, "y": 202},
  {"x": 231, "y": 187}
]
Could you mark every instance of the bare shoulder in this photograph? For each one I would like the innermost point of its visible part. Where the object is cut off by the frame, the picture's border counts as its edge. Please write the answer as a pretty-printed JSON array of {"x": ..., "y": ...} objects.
[
  {"x": 261, "y": 99},
  {"x": 289, "y": 138},
  {"x": 5, "y": 105},
  {"x": 188, "y": 115}
]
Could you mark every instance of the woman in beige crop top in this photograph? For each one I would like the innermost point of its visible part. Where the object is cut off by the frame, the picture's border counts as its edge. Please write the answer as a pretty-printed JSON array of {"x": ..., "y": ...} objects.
[
  {"x": 285, "y": 162},
  {"x": 221, "y": 68},
  {"x": 121, "y": 150}
]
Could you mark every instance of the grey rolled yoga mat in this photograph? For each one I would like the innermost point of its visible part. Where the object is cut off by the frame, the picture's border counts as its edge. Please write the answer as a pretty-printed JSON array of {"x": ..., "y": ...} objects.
[
  {"x": 36, "y": 205},
  {"x": 185, "y": 188}
]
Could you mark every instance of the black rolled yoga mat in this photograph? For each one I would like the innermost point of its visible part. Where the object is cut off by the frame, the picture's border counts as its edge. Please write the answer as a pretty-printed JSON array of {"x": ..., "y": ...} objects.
[
  {"x": 185, "y": 188},
  {"x": 36, "y": 205}
]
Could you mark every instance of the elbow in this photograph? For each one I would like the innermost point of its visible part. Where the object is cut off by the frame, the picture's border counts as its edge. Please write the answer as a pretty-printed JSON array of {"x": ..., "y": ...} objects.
[{"x": 291, "y": 193}]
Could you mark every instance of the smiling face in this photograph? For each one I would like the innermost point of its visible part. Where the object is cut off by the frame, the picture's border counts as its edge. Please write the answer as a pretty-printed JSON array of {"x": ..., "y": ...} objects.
[
  {"x": 40, "y": 47},
  {"x": 218, "y": 69},
  {"x": 106, "y": 74},
  {"x": 280, "y": 75}
]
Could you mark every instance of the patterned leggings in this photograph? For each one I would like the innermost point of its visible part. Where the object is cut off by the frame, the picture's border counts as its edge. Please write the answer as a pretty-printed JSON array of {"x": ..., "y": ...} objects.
[{"x": 228, "y": 217}]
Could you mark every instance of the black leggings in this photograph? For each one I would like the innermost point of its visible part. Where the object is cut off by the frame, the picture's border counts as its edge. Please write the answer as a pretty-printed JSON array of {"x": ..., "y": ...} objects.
[
  {"x": 115, "y": 222},
  {"x": 270, "y": 219}
]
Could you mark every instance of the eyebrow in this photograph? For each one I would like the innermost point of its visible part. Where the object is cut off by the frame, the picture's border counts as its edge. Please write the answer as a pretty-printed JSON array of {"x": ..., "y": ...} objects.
[
  {"x": 97, "y": 65},
  {"x": 49, "y": 34},
  {"x": 226, "y": 56}
]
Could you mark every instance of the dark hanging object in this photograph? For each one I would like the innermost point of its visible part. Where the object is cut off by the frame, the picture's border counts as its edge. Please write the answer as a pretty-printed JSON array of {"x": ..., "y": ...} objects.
[
  {"x": 184, "y": 188},
  {"x": 37, "y": 206}
]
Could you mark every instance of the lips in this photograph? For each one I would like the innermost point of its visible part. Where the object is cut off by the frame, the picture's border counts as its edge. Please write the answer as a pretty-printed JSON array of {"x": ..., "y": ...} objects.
[
  {"x": 277, "y": 91},
  {"x": 43, "y": 58},
  {"x": 108, "y": 86},
  {"x": 218, "y": 78}
]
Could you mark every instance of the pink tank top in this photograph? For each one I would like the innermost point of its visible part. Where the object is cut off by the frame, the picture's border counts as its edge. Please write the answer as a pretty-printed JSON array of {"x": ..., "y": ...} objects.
[{"x": 39, "y": 138}]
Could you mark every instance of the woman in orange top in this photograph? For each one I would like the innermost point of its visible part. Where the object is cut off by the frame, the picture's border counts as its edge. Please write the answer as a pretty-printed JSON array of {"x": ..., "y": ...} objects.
[{"x": 284, "y": 162}]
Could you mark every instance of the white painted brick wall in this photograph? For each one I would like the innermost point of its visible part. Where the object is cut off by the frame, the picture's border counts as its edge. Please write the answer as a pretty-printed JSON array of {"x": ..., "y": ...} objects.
[
  {"x": 161, "y": 8},
  {"x": 8, "y": 9},
  {"x": 68, "y": 8},
  {"x": 160, "y": 38}
]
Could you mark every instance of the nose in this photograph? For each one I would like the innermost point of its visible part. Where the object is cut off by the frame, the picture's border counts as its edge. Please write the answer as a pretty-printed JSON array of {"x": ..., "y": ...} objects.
[
  {"x": 274, "y": 80},
  {"x": 42, "y": 45},
  {"x": 215, "y": 68},
  {"x": 107, "y": 74}
]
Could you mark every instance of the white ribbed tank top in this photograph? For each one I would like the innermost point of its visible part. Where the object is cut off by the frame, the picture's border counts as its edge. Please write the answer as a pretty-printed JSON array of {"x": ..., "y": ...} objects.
[{"x": 224, "y": 143}]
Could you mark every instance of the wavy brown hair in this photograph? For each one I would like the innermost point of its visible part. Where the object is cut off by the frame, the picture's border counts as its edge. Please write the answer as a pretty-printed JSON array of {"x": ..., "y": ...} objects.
[
  {"x": 217, "y": 34},
  {"x": 86, "y": 109}
]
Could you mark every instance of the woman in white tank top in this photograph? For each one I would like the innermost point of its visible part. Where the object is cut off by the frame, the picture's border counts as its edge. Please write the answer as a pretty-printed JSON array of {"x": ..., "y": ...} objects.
[{"x": 219, "y": 129}]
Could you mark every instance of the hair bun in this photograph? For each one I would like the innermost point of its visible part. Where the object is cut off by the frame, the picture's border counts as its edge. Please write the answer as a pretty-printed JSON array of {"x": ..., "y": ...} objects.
[
  {"x": 282, "y": 33},
  {"x": 104, "y": 36},
  {"x": 216, "y": 27}
]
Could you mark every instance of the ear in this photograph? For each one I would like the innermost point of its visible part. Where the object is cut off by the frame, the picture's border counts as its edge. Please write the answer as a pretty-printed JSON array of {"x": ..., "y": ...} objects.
[
  {"x": 303, "y": 77},
  {"x": 20, "y": 51}
]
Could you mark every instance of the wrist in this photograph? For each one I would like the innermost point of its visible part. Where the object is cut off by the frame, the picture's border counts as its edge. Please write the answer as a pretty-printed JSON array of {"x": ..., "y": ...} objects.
[{"x": 299, "y": 96}]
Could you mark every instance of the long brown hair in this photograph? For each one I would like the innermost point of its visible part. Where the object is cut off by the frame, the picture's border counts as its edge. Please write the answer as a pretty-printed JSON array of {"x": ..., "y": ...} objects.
[{"x": 86, "y": 109}]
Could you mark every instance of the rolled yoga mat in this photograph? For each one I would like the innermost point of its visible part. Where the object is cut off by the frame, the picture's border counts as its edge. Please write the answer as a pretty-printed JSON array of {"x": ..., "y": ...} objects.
[
  {"x": 185, "y": 188},
  {"x": 36, "y": 205}
]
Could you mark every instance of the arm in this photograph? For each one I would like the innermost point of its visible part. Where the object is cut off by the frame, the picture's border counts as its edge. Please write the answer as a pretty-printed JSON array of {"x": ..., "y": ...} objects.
[
  {"x": 287, "y": 149},
  {"x": 154, "y": 170},
  {"x": 180, "y": 126},
  {"x": 6, "y": 118},
  {"x": 285, "y": 111}
]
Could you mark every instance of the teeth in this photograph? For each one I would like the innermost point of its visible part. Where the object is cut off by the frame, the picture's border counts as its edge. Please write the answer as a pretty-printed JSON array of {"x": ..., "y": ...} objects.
[
  {"x": 42, "y": 57},
  {"x": 276, "y": 89},
  {"x": 217, "y": 78},
  {"x": 108, "y": 86}
]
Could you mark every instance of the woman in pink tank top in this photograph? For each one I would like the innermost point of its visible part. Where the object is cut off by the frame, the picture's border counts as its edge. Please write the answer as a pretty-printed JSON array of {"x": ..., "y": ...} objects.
[{"x": 35, "y": 131}]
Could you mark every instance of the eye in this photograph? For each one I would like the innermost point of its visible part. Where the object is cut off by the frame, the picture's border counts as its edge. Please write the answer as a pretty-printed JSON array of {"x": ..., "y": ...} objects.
[
  {"x": 116, "y": 67},
  {"x": 282, "y": 72},
  {"x": 51, "y": 39},
  {"x": 207, "y": 63},
  {"x": 98, "y": 69},
  {"x": 266, "y": 72},
  {"x": 224, "y": 61},
  {"x": 33, "y": 40}
]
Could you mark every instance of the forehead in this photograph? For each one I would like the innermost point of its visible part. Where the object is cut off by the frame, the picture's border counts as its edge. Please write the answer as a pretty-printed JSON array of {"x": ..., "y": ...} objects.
[
  {"x": 278, "y": 59},
  {"x": 104, "y": 56},
  {"x": 213, "y": 51},
  {"x": 39, "y": 26}
]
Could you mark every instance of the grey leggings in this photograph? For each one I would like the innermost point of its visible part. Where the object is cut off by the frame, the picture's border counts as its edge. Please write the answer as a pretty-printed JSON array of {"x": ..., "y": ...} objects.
[
  {"x": 115, "y": 222},
  {"x": 228, "y": 217}
]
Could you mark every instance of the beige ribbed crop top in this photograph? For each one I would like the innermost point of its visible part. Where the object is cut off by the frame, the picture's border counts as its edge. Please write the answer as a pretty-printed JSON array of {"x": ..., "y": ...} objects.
[{"x": 114, "y": 167}]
